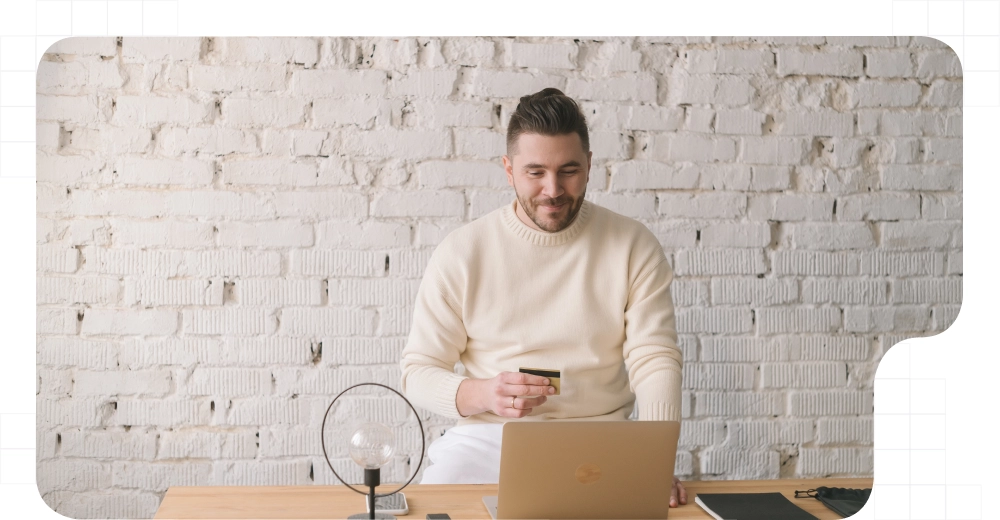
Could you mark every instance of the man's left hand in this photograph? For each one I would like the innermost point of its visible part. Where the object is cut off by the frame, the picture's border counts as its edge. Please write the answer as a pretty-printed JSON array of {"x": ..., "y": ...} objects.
[{"x": 678, "y": 494}]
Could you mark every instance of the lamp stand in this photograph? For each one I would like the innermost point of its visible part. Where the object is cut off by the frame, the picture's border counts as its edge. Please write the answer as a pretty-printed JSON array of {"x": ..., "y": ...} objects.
[{"x": 372, "y": 480}]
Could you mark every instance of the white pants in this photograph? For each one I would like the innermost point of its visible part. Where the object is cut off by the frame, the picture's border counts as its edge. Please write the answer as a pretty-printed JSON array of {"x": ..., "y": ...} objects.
[{"x": 467, "y": 454}]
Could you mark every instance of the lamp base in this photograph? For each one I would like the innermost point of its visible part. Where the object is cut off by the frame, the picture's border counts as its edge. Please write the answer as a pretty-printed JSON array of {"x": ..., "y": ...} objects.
[{"x": 367, "y": 516}]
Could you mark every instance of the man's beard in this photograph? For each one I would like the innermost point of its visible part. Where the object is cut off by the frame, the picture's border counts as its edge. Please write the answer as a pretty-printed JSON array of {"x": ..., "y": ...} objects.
[{"x": 549, "y": 225}]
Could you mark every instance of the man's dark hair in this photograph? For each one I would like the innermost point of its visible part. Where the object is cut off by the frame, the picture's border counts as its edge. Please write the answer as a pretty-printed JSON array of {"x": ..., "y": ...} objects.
[{"x": 547, "y": 112}]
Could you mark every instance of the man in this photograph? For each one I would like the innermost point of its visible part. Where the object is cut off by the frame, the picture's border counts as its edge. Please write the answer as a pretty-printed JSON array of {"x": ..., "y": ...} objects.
[{"x": 550, "y": 281}]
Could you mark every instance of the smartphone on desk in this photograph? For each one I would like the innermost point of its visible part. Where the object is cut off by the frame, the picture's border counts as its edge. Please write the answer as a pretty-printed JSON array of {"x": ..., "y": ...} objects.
[{"x": 394, "y": 504}]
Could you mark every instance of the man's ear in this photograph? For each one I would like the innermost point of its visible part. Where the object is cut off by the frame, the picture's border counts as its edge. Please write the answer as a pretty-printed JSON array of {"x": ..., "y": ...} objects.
[
  {"x": 590, "y": 162},
  {"x": 508, "y": 166}
]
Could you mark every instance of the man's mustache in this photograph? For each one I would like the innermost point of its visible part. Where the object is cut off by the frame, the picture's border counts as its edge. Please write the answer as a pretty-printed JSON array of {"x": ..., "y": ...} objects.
[{"x": 553, "y": 202}]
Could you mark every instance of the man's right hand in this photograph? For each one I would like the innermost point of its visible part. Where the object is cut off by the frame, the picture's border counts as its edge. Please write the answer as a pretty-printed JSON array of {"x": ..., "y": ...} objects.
[{"x": 501, "y": 394}]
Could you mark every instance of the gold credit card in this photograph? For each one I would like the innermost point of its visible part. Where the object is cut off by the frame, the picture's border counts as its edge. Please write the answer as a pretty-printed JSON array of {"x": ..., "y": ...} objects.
[{"x": 553, "y": 375}]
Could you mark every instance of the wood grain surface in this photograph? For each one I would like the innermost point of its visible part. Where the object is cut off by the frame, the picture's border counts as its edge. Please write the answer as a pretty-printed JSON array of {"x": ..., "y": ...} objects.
[{"x": 459, "y": 501}]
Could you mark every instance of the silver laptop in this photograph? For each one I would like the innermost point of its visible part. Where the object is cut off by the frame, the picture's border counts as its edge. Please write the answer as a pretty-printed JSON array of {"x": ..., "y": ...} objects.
[{"x": 585, "y": 469}]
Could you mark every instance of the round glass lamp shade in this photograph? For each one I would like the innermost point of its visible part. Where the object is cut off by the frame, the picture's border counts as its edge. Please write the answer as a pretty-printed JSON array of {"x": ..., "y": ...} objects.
[{"x": 372, "y": 445}]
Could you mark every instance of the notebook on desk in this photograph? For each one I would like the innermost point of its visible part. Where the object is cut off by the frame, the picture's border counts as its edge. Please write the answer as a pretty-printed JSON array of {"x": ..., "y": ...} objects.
[{"x": 585, "y": 469}]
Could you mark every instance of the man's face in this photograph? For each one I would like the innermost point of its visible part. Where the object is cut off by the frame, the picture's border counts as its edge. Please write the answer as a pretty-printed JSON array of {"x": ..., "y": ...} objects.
[{"x": 549, "y": 173}]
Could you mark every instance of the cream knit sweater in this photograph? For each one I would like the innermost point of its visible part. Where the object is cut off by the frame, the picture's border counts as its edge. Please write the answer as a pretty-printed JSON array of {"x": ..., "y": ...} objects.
[{"x": 592, "y": 301}]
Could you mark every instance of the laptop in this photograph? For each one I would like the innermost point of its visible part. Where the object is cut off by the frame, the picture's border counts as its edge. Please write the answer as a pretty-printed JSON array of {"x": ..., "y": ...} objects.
[{"x": 585, "y": 469}]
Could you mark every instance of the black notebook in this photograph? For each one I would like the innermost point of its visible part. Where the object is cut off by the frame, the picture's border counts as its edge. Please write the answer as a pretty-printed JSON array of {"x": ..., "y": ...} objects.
[{"x": 751, "y": 506}]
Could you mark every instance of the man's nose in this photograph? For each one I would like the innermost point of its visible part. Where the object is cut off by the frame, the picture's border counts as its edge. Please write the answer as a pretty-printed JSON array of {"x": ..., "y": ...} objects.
[{"x": 551, "y": 186}]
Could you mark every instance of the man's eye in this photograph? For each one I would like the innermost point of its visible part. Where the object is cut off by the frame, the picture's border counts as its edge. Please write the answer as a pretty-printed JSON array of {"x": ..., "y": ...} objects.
[
  {"x": 569, "y": 172},
  {"x": 534, "y": 173}
]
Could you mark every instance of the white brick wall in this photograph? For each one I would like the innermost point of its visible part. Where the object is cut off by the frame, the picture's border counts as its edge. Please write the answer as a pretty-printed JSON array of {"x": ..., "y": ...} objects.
[{"x": 232, "y": 230}]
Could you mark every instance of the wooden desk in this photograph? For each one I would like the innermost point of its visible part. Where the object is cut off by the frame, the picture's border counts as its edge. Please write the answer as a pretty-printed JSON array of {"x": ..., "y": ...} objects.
[{"x": 459, "y": 501}]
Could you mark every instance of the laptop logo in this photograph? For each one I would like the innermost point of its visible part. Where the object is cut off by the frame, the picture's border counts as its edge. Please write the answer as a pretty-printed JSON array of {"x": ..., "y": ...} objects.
[{"x": 588, "y": 473}]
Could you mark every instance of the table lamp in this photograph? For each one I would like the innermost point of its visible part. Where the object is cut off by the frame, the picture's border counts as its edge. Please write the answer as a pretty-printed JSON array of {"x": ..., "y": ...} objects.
[{"x": 371, "y": 446}]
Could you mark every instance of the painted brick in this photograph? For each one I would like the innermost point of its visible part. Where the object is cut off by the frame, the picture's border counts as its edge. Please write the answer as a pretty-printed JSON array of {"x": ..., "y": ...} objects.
[
  {"x": 297, "y": 321},
  {"x": 431, "y": 232},
  {"x": 954, "y": 263},
  {"x": 408, "y": 264},
  {"x": 403, "y": 144},
  {"x": 449, "y": 174},
  {"x": 889, "y": 64},
  {"x": 72, "y": 475},
  {"x": 885, "y": 263},
  {"x": 473, "y": 51},
  {"x": 790, "y": 207},
  {"x": 155, "y": 292},
  {"x": 328, "y": 382},
  {"x": 303, "y": 51},
  {"x": 277, "y": 234},
  {"x": 927, "y": 290},
  {"x": 480, "y": 144},
  {"x": 921, "y": 235},
  {"x": 424, "y": 83},
  {"x": 718, "y": 320},
  {"x": 77, "y": 353},
  {"x": 703, "y": 205},
  {"x": 67, "y": 290},
  {"x": 339, "y": 83},
  {"x": 85, "y": 46},
  {"x": 688, "y": 293},
  {"x": 449, "y": 113},
  {"x": 419, "y": 204},
  {"x": 121, "y": 322},
  {"x": 803, "y": 375},
  {"x": 57, "y": 321},
  {"x": 770, "y": 178},
  {"x": 840, "y": 291},
  {"x": 925, "y": 177},
  {"x": 844, "y": 431},
  {"x": 739, "y": 122},
  {"x": 830, "y": 402},
  {"x": 542, "y": 55},
  {"x": 108, "y": 444},
  {"x": 365, "y": 113},
  {"x": 824, "y": 462},
  {"x": 707, "y": 89},
  {"x": 149, "y": 111},
  {"x": 785, "y": 320},
  {"x": 496, "y": 83},
  {"x": 239, "y": 322},
  {"x": 699, "y": 120},
  {"x": 882, "y": 206},
  {"x": 381, "y": 292},
  {"x": 943, "y": 149},
  {"x": 634, "y": 205},
  {"x": 640, "y": 175},
  {"x": 929, "y": 124},
  {"x": 142, "y": 50},
  {"x": 828, "y": 236},
  {"x": 95, "y": 505},
  {"x": 140, "y": 383},
  {"x": 701, "y": 433},
  {"x": 148, "y": 353},
  {"x": 729, "y": 61},
  {"x": 720, "y": 262},
  {"x": 730, "y": 404},
  {"x": 759, "y": 464},
  {"x": 774, "y": 150},
  {"x": 675, "y": 234},
  {"x": 227, "y": 382},
  {"x": 263, "y": 473},
  {"x": 942, "y": 316},
  {"x": 937, "y": 64},
  {"x": 814, "y": 123},
  {"x": 941, "y": 206},
  {"x": 320, "y": 204},
  {"x": 185, "y": 445},
  {"x": 704, "y": 376},
  {"x": 886, "y": 319},
  {"x": 632, "y": 117},
  {"x": 174, "y": 141},
  {"x": 166, "y": 413},
  {"x": 847, "y": 63},
  {"x": 633, "y": 87},
  {"x": 763, "y": 434},
  {"x": 361, "y": 351},
  {"x": 753, "y": 291},
  {"x": 367, "y": 235},
  {"x": 263, "y": 412},
  {"x": 269, "y": 172},
  {"x": 693, "y": 148},
  {"x": 736, "y": 235},
  {"x": 886, "y": 94}
]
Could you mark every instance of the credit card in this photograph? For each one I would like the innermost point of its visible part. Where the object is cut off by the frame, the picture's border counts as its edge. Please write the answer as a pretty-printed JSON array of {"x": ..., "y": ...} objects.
[{"x": 553, "y": 375}]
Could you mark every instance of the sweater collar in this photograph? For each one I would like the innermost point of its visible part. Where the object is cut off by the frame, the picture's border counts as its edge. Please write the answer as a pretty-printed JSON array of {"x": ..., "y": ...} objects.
[{"x": 542, "y": 238}]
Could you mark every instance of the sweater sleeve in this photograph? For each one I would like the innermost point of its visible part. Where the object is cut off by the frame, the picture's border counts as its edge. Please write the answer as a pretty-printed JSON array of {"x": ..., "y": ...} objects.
[
  {"x": 652, "y": 357},
  {"x": 437, "y": 339}
]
